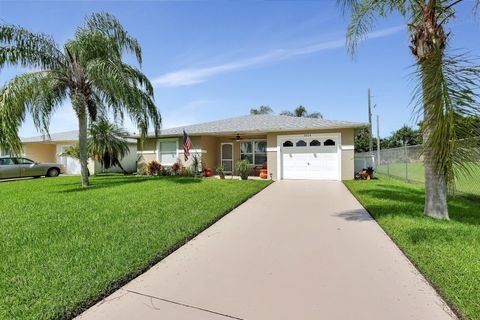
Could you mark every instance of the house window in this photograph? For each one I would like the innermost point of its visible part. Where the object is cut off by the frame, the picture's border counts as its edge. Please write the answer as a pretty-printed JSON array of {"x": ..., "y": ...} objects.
[
  {"x": 315, "y": 143},
  {"x": 329, "y": 142},
  {"x": 254, "y": 151},
  {"x": 167, "y": 152},
  {"x": 288, "y": 143},
  {"x": 301, "y": 143}
]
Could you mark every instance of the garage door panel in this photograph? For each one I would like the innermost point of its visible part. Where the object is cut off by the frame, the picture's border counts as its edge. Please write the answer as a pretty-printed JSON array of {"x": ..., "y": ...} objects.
[{"x": 311, "y": 162}]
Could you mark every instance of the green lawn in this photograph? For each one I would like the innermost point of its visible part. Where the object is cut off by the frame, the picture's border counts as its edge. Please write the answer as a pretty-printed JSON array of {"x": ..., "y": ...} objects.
[
  {"x": 63, "y": 248},
  {"x": 469, "y": 185},
  {"x": 446, "y": 252}
]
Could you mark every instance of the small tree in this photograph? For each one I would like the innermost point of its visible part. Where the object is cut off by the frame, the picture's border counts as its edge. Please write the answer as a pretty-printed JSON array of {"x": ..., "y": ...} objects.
[
  {"x": 301, "y": 111},
  {"x": 108, "y": 144},
  {"x": 261, "y": 110}
]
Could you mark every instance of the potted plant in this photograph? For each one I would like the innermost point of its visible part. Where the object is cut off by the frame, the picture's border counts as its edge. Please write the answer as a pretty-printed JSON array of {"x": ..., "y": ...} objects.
[
  {"x": 243, "y": 169},
  {"x": 221, "y": 172},
  {"x": 196, "y": 163}
]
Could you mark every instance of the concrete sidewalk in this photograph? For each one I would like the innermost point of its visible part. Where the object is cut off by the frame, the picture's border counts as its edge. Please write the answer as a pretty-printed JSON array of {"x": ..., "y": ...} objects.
[{"x": 297, "y": 250}]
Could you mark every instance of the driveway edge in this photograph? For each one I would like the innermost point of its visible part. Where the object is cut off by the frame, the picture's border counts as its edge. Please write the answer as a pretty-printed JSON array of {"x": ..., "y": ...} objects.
[{"x": 453, "y": 308}]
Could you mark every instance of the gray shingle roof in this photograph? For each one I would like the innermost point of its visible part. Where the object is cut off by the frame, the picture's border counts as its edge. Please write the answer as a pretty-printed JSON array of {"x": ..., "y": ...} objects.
[
  {"x": 259, "y": 124},
  {"x": 60, "y": 136}
]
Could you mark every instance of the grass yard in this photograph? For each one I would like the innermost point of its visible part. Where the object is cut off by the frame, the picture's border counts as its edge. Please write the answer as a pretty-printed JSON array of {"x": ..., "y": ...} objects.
[
  {"x": 62, "y": 248},
  {"x": 469, "y": 185},
  {"x": 446, "y": 252}
]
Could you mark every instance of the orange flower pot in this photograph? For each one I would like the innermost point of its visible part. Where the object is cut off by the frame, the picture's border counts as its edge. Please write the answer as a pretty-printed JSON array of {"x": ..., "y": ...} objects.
[{"x": 263, "y": 174}]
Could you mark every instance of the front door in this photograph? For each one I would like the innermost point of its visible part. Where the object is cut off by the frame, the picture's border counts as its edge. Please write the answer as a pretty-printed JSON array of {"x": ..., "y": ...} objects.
[{"x": 227, "y": 157}]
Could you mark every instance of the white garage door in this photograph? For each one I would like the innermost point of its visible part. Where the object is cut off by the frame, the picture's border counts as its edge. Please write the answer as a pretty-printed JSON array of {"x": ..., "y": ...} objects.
[{"x": 311, "y": 157}]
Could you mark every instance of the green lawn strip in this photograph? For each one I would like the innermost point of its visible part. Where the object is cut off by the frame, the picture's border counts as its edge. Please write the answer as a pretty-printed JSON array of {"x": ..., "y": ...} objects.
[
  {"x": 62, "y": 248},
  {"x": 466, "y": 184},
  {"x": 446, "y": 252}
]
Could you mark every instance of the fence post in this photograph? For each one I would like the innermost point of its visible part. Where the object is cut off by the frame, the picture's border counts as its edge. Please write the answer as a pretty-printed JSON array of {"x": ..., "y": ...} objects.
[{"x": 406, "y": 160}]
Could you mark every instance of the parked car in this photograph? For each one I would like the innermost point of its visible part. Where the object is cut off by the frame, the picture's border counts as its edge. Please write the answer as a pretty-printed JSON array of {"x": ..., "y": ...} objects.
[{"x": 16, "y": 167}]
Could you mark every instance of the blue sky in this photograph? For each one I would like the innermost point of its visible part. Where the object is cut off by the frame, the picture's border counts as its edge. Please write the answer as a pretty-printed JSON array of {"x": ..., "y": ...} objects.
[{"x": 216, "y": 59}]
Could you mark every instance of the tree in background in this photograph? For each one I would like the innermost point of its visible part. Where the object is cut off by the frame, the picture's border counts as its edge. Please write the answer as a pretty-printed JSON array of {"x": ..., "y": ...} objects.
[
  {"x": 107, "y": 143},
  {"x": 261, "y": 110},
  {"x": 405, "y": 136},
  {"x": 89, "y": 70},
  {"x": 447, "y": 87},
  {"x": 301, "y": 111}
]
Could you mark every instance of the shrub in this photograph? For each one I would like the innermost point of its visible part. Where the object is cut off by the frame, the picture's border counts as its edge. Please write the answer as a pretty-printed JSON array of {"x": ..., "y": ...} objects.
[
  {"x": 142, "y": 169},
  {"x": 243, "y": 168},
  {"x": 186, "y": 172},
  {"x": 220, "y": 171},
  {"x": 175, "y": 168},
  {"x": 165, "y": 171},
  {"x": 154, "y": 168}
]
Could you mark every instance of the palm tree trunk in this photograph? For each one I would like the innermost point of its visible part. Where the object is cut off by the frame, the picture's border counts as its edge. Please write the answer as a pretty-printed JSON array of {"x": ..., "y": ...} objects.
[
  {"x": 82, "y": 141},
  {"x": 435, "y": 182}
]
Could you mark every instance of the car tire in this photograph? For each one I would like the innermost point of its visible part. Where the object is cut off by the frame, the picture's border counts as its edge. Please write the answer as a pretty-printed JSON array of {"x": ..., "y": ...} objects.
[{"x": 53, "y": 172}]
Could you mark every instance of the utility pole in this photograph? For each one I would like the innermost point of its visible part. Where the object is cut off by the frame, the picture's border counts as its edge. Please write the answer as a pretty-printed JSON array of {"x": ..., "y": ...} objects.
[
  {"x": 378, "y": 141},
  {"x": 370, "y": 140}
]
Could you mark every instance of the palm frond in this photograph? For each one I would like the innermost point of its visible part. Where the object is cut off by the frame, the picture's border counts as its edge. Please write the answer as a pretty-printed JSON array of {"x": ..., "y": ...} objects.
[
  {"x": 107, "y": 143},
  {"x": 111, "y": 27},
  {"x": 447, "y": 95},
  {"x": 364, "y": 15},
  {"x": 37, "y": 92},
  {"x": 125, "y": 90},
  {"x": 30, "y": 50}
]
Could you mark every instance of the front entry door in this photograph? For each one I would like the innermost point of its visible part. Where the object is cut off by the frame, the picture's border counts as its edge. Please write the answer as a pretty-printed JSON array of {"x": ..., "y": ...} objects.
[{"x": 227, "y": 157}]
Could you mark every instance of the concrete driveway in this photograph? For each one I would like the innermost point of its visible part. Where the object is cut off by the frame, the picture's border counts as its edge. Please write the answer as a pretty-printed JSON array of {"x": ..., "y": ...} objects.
[{"x": 297, "y": 250}]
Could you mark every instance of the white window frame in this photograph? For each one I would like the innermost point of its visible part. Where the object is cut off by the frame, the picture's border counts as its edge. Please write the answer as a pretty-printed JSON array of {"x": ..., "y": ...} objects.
[
  {"x": 253, "y": 150},
  {"x": 159, "y": 141}
]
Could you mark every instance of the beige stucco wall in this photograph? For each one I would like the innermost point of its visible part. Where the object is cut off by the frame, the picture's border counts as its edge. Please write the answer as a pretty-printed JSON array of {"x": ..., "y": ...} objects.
[
  {"x": 347, "y": 154},
  {"x": 40, "y": 152},
  {"x": 209, "y": 146},
  {"x": 147, "y": 151}
]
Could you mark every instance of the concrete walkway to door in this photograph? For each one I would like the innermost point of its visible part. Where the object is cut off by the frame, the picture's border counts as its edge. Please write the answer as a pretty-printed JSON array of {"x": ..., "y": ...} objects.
[{"x": 297, "y": 250}]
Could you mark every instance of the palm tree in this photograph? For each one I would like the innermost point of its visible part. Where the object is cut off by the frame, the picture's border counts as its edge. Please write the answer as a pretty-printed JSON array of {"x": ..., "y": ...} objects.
[
  {"x": 301, "y": 111},
  {"x": 447, "y": 87},
  {"x": 108, "y": 143},
  {"x": 88, "y": 69},
  {"x": 261, "y": 110}
]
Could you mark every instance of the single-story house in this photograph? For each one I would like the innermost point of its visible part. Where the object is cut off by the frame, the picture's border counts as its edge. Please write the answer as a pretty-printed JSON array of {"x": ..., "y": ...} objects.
[
  {"x": 48, "y": 149},
  {"x": 288, "y": 147}
]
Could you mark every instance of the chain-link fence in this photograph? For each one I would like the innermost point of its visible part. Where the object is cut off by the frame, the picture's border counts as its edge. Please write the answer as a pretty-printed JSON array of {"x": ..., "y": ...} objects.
[{"x": 407, "y": 163}]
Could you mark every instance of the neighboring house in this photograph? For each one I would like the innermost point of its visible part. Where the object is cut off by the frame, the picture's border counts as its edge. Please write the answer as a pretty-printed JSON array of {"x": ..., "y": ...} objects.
[
  {"x": 48, "y": 149},
  {"x": 289, "y": 147}
]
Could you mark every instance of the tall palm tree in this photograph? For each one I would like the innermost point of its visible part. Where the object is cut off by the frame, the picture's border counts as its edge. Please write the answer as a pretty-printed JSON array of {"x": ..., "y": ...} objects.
[
  {"x": 108, "y": 143},
  {"x": 88, "y": 69},
  {"x": 261, "y": 110},
  {"x": 301, "y": 111},
  {"x": 447, "y": 87}
]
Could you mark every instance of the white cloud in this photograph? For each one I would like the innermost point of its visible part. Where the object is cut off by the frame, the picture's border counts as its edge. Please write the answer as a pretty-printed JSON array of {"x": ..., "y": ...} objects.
[{"x": 191, "y": 76}]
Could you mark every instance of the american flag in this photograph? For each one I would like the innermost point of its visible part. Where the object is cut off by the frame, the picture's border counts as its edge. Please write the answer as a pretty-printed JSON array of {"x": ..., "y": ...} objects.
[{"x": 187, "y": 143}]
